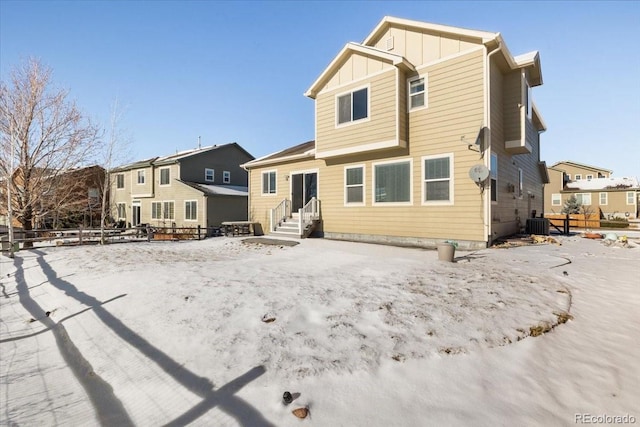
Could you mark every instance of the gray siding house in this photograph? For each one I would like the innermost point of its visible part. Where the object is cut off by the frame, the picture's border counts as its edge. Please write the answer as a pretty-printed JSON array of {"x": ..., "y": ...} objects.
[{"x": 199, "y": 187}]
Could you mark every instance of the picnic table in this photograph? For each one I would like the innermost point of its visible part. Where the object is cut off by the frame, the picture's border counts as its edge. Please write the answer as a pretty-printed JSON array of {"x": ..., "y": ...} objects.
[{"x": 237, "y": 228}]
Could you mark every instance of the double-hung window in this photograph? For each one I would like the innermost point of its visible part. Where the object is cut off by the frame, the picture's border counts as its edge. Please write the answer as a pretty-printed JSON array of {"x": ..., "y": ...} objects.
[
  {"x": 156, "y": 210},
  {"x": 578, "y": 177},
  {"x": 354, "y": 185},
  {"x": 584, "y": 198},
  {"x": 165, "y": 176},
  {"x": 417, "y": 93},
  {"x": 191, "y": 210},
  {"x": 604, "y": 199},
  {"x": 209, "y": 174},
  {"x": 392, "y": 182},
  {"x": 438, "y": 179},
  {"x": 353, "y": 106},
  {"x": 269, "y": 182},
  {"x": 141, "y": 177},
  {"x": 226, "y": 177},
  {"x": 122, "y": 214},
  {"x": 631, "y": 197},
  {"x": 556, "y": 199},
  {"x": 168, "y": 210},
  {"x": 120, "y": 181}
]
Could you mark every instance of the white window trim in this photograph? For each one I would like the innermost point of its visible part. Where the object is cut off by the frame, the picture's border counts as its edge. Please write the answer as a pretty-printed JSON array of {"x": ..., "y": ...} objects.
[
  {"x": 556, "y": 197},
  {"x": 337, "y": 106},
  {"x": 527, "y": 97},
  {"x": 226, "y": 177},
  {"x": 118, "y": 211},
  {"x": 577, "y": 177},
  {"x": 426, "y": 91},
  {"x": 174, "y": 210},
  {"x": 185, "y": 211},
  {"x": 364, "y": 186},
  {"x": 582, "y": 196},
  {"x": 144, "y": 177},
  {"x": 424, "y": 181},
  {"x": 589, "y": 177},
  {"x": 160, "y": 177},
  {"x": 631, "y": 199},
  {"x": 262, "y": 193},
  {"x": 213, "y": 175},
  {"x": 373, "y": 182},
  {"x": 120, "y": 188},
  {"x": 606, "y": 199},
  {"x": 152, "y": 211}
]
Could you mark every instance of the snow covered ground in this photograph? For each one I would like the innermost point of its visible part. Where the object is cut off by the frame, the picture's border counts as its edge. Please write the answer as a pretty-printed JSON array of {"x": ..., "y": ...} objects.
[{"x": 212, "y": 333}]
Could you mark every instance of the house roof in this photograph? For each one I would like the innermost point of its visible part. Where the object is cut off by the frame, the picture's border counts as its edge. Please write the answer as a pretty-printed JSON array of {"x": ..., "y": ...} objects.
[
  {"x": 350, "y": 48},
  {"x": 306, "y": 149},
  {"x": 388, "y": 21},
  {"x": 219, "y": 190},
  {"x": 173, "y": 158},
  {"x": 624, "y": 183},
  {"x": 580, "y": 165}
]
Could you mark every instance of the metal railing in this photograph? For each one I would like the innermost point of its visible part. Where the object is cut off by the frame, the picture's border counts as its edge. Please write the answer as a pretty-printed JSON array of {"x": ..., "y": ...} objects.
[{"x": 279, "y": 214}]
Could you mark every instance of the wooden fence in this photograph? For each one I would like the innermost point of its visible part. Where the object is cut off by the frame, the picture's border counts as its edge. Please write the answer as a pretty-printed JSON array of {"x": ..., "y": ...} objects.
[{"x": 575, "y": 220}]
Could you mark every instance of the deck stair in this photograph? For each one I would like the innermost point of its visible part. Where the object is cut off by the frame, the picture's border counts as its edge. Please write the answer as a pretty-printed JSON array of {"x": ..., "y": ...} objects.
[{"x": 298, "y": 224}]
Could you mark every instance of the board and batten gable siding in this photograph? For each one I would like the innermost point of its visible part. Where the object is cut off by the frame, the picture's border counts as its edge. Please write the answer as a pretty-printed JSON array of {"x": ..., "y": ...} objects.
[
  {"x": 422, "y": 47},
  {"x": 380, "y": 126},
  {"x": 355, "y": 68},
  {"x": 224, "y": 158}
]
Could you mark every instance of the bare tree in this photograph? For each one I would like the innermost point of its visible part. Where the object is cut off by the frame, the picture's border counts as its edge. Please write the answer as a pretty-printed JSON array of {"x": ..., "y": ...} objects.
[
  {"x": 115, "y": 152},
  {"x": 45, "y": 133}
]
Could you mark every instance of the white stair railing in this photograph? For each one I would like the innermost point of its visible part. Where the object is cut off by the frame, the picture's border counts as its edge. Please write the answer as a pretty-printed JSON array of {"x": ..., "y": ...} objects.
[
  {"x": 307, "y": 214},
  {"x": 279, "y": 214}
]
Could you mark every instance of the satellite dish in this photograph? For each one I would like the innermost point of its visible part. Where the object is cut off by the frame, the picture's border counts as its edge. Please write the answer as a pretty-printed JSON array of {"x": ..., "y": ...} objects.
[{"x": 478, "y": 173}]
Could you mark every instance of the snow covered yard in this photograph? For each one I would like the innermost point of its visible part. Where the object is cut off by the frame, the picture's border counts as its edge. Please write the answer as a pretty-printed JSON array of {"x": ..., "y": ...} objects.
[{"x": 213, "y": 332}]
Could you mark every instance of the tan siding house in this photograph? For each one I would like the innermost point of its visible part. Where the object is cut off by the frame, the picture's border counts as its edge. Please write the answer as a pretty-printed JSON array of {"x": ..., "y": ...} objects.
[
  {"x": 594, "y": 188},
  {"x": 401, "y": 120},
  {"x": 201, "y": 187}
]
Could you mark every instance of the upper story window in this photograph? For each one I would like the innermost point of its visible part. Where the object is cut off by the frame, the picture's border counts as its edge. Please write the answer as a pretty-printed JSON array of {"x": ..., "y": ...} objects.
[
  {"x": 141, "y": 177},
  {"x": 120, "y": 181},
  {"x": 269, "y": 182},
  {"x": 589, "y": 177},
  {"x": 417, "y": 93},
  {"x": 209, "y": 174},
  {"x": 354, "y": 185},
  {"x": 528, "y": 101},
  {"x": 578, "y": 177},
  {"x": 165, "y": 176},
  {"x": 226, "y": 177},
  {"x": 438, "y": 180},
  {"x": 353, "y": 106}
]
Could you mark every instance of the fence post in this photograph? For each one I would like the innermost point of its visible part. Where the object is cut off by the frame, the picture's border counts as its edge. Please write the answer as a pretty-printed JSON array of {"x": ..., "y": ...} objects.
[
  {"x": 148, "y": 233},
  {"x": 198, "y": 231},
  {"x": 566, "y": 225},
  {"x": 80, "y": 235}
]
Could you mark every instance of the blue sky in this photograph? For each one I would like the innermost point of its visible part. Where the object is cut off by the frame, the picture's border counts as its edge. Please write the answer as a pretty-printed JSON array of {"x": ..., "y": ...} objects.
[{"x": 237, "y": 71}]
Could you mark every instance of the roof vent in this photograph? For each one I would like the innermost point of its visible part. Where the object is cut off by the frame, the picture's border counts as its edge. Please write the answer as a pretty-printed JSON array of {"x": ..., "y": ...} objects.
[{"x": 390, "y": 43}]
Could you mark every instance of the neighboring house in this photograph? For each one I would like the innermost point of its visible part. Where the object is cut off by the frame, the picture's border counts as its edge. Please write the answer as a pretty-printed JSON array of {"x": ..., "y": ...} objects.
[
  {"x": 69, "y": 198},
  {"x": 200, "y": 187},
  {"x": 400, "y": 121},
  {"x": 594, "y": 188}
]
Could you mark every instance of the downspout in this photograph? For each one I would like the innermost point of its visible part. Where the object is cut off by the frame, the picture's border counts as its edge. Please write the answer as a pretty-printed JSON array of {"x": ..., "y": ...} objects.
[{"x": 488, "y": 139}]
